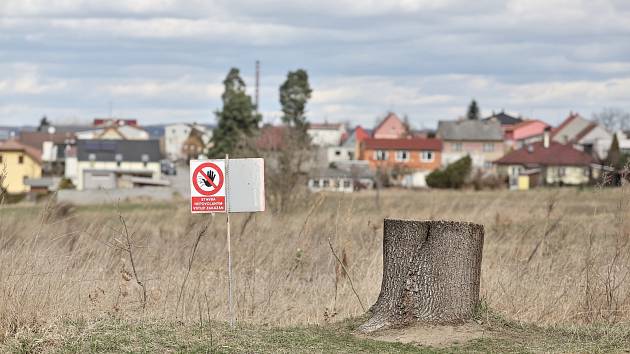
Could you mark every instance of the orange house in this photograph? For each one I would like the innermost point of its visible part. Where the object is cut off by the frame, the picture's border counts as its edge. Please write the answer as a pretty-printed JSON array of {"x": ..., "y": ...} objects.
[{"x": 417, "y": 154}]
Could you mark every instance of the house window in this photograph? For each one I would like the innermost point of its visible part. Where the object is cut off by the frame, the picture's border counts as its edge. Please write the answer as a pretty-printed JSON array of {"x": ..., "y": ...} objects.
[
  {"x": 337, "y": 152},
  {"x": 487, "y": 165},
  {"x": 402, "y": 155},
  {"x": 586, "y": 172},
  {"x": 326, "y": 183},
  {"x": 426, "y": 156},
  {"x": 380, "y": 155},
  {"x": 488, "y": 147},
  {"x": 457, "y": 146},
  {"x": 21, "y": 159},
  {"x": 316, "y": 183},
  {"x": 346, "y": 183},
  {"x": 562, "y": 171}
]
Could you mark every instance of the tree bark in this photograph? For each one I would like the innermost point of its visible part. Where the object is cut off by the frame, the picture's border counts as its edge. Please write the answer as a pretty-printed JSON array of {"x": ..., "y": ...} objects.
[{"x": 431, "y": 272}]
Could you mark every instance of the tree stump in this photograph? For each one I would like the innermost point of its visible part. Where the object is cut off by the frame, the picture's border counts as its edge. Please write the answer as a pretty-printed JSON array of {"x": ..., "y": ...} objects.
[{"x": 431, "y": 273}]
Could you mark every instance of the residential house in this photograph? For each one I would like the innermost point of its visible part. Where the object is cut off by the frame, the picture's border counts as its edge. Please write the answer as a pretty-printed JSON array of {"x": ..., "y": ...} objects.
[
  {"x": 584, "y": 134},
  {"x": 177, "y": 135},
  {"x": 523, "y": 133},
  {"x": 114, "y": 129},
  {"x": 196, "y": 145},
  {"x": 391, "y": 127},
  {"x": 481, "y": 140},
  {"x": 326, "y": 134},
  {"x": 408, "y": 160},
  {"x": 349, "y": 148},
  {"x": 504, "y": 119},
  {"x": 52, "y": 144},
  {"x": 109, "y": 164},
  {"x": 347, "y": 176},
  {"x": 546, "y": 163},
  {"x": 20, "y": 162}
]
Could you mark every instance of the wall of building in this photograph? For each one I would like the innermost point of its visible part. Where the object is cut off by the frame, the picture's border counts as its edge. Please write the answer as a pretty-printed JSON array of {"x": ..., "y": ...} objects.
[
  {"x": 340, "y": 153},
  {"x": 414, "y": 161},
  {"x": 480, "y": 159},
  {"x": 152, "y": 168},
  {"x": 391, "y": 128},
  {"x": 325, "y": 137},
  {"x": 331, "y": 184},
  {"x": 572, "y": 175},
  {"x": 16, "y": 172},
  {"x": 174, "y": 137}
]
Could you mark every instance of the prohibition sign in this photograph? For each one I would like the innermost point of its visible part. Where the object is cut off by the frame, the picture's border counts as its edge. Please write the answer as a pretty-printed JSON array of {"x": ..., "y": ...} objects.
[{"x": 203, "y": 174}]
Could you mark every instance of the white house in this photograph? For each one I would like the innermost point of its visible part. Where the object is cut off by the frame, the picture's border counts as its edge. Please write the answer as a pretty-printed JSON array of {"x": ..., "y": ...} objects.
[
  {"x": 326, "y": 134},
  {"x": 110, "y": 164},
  {"x": 176, "y": 134}
]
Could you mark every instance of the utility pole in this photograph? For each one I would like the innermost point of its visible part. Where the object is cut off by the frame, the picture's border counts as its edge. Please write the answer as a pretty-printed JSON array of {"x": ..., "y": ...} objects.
[{"x": 257, "y": 84}]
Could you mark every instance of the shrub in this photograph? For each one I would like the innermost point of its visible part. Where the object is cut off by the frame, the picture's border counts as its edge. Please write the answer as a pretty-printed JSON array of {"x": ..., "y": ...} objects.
[{"x": 453, "y": 176}]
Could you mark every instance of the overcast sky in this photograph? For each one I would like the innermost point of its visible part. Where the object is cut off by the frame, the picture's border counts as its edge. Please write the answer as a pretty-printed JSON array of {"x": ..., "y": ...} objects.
[{"x": 164, "y": 60}]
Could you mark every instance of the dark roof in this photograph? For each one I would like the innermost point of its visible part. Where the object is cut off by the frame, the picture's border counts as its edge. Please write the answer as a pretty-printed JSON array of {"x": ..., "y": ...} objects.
[
  {"x": 470, "y": 130},
  {"x": 504, "y": 119},
  {"x": 555, "y": 155},
  {"x": 403, "y": 144},
  {"x": 106, "y": 150}
]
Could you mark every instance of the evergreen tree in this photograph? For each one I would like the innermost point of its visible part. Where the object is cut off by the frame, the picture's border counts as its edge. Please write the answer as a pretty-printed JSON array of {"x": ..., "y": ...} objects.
[
  {"x": 614, "y": 158},
  {"x": 237, "y": 119},
  {"x": 44, "y": 123},
  {"x": 294, "y": 94},
  {"x": 473, "y": 111}
]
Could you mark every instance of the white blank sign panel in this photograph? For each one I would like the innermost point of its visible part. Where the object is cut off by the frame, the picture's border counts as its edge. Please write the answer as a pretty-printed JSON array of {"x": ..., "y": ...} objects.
[{"x": 245, "y": 185}]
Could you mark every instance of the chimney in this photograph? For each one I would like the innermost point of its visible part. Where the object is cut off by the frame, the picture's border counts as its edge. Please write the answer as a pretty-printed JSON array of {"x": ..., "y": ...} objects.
[{"x": 546, "y": 137}]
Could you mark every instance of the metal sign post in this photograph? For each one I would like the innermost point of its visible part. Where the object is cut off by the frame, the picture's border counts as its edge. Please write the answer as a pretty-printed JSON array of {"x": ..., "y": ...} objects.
[
  {"x": 227, "y": 186},
  {"x": 229, "y": 243}
]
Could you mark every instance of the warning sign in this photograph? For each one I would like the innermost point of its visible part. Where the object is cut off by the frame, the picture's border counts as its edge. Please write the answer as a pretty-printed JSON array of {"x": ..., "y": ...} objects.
[{"x": 207, "y": 190}]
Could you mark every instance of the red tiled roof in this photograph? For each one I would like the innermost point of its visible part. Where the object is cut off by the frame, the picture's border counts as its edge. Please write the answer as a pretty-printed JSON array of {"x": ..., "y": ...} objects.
[
  {"x": 12, "y": 145},
  {"x": 555, "y": 155},
  {"x": 271, "y": 137},
  {"x": 403, "y": 144},
  {"x": 361, "y": 134}
]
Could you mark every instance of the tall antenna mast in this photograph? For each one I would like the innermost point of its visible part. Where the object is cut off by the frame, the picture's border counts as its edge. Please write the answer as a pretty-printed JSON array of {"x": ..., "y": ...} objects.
[{"x": 257, "y": 83}]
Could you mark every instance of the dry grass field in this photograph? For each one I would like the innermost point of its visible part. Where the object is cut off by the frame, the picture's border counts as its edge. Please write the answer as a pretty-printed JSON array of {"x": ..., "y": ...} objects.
[{"x": 554, "y": 258}]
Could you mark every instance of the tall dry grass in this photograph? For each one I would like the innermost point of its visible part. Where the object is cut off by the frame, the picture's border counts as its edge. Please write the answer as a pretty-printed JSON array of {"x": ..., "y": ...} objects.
[{"x": 550, "y": 256}]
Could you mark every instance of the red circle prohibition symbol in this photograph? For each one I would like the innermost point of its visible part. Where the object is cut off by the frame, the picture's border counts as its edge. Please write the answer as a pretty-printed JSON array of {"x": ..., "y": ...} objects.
[{"x": 198, "y": 170}]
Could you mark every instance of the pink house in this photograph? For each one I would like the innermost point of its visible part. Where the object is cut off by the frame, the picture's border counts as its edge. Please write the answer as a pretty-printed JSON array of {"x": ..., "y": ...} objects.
[
  {"x": 526, "y": 132},
  {"x": 390, "y": 128}
]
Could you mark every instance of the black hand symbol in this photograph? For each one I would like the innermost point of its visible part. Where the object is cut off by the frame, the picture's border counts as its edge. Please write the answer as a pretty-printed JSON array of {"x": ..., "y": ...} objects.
[{"x": 211, "y": 176}]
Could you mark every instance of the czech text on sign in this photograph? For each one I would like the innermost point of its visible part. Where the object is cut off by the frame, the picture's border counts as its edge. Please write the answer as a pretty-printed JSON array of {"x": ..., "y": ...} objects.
[{"x": 208, "y": 186}]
